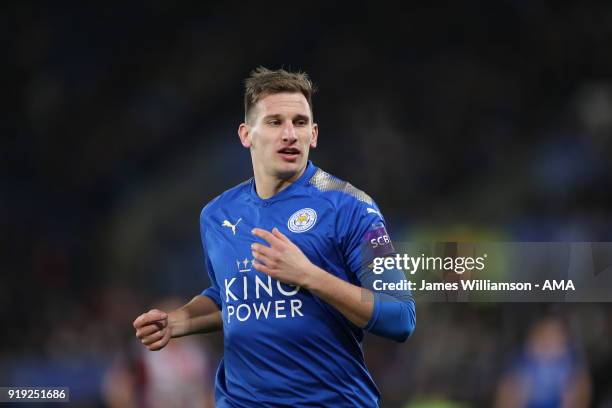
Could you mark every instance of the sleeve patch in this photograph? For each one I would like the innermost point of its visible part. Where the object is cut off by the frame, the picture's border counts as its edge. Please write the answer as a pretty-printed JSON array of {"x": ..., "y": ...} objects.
[{"x": 377, "y": 242}]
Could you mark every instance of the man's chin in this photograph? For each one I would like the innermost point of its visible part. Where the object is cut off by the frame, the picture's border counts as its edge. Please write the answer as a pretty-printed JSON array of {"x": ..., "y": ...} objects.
[{"x": 287, "y": 171}]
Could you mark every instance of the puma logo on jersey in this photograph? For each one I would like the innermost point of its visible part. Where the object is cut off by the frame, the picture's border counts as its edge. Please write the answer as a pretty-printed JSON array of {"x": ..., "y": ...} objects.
[{"x": 228, "y": 224}]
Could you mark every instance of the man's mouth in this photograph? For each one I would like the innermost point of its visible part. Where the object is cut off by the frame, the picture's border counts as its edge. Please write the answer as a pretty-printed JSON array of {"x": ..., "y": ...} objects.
[{"x": 289, "y": 153}]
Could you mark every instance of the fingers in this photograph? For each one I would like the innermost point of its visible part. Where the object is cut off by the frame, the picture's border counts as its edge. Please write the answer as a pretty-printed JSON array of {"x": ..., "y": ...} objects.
[
  {"x": 276, "y": 232},
  {"x": 262, "y": 250},
  {"x": 262, "y": 268},
  {"x": 266, "y": 236},
  {"x": 152, "y": 329},
  {"x": 152, "y": 338},
  {"x": 149, "y": 329},
  {"x": 269, "y": 255},
  {"x": 154, "y": 334},
  {"x": 158, "y": 345},
  {"x": 263, "y": 260},
  {"x": 151, "y": 316}
]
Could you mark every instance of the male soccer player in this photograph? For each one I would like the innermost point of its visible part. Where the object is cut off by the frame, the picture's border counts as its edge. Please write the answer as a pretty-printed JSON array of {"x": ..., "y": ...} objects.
[{"x": 289, "y": 255}]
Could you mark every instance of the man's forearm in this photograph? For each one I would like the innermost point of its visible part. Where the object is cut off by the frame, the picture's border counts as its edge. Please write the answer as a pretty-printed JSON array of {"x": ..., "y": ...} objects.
[
  {"x": 354, "y": 302},
  {"x": 200, "y": 315},
  {"x": 390, "y": 316}
]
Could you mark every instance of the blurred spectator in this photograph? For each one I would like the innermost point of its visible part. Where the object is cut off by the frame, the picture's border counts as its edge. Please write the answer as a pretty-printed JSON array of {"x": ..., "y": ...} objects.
[
  {"x": 178, "y": 376},
  {"x": 547, "y": 374}
]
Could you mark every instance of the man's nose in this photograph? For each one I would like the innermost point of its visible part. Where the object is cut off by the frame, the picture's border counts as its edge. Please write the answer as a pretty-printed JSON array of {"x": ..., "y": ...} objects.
[{"x": 289, "y": 133}]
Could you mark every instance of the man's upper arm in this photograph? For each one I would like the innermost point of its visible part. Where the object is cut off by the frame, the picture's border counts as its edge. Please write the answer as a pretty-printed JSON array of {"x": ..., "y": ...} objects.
[
  {"x": 363, "y": 234},
  {"x": 365, "y": 237}
]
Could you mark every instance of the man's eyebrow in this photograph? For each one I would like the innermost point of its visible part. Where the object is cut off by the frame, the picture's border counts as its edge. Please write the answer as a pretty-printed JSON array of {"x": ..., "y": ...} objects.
[
  {"x": 299, "y": 116},
  {"x": 302, "y": 117},
  {"x": 273, "y": 116}
]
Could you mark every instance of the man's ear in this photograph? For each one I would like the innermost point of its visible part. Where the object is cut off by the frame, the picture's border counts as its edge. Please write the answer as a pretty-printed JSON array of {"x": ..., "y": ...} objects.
[
  {"x": 244, "y": 135},
  {"x": 315, "y": 135}
]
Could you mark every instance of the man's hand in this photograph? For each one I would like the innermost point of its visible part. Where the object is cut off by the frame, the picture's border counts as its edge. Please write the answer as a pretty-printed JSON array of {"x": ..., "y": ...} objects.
[
  {"x": 285, "y": 262},
  {"x": 152, "y": 329},
  {"x": 282, "y": 260}
]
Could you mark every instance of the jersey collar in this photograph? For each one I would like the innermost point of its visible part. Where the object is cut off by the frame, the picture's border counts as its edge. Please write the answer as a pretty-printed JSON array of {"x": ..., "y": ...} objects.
[{"x": 286, "y": 192}]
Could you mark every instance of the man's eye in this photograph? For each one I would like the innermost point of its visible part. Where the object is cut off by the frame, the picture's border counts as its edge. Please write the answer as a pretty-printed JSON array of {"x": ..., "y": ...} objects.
[
  {"x": 274, "y": 122},
  {"x": 300, "y": 123}
]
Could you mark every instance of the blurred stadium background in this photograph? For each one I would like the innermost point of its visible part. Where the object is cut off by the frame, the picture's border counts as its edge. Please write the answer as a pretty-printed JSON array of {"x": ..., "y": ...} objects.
[{"x": 464, "y": 121}]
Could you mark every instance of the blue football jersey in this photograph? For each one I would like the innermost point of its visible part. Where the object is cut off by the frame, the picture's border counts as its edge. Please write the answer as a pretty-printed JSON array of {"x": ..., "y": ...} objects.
[{"x": 284, "y": 346}]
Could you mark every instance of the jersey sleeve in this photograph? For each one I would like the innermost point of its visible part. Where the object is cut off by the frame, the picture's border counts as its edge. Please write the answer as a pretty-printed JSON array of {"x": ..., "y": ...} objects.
[
  {"x": 365, "y": 237},
  {"x": 363, "y": 234},
  {"x": 213, "y": 290}
]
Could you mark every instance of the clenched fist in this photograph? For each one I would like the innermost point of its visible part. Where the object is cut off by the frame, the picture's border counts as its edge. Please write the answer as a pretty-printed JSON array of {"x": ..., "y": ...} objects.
[{"x": 152, "y": 329}]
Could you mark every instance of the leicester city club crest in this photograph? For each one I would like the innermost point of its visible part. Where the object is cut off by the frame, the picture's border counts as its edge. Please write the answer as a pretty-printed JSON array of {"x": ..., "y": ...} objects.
[{"x": 302, "y": 220}]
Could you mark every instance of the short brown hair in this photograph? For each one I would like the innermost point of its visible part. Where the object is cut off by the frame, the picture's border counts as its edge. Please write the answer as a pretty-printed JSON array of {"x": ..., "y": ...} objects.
[{"x": 263, "y": 82}]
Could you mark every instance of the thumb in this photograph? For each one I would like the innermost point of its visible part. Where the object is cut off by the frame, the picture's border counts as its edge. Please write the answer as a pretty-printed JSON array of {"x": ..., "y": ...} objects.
[
  {"x": 155, "y": 314},
  {"x": 151, "y": 316}
]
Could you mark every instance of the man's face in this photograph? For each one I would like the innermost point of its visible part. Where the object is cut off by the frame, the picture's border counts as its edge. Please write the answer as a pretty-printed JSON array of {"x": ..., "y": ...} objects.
[{"x": 280, "y": 133}]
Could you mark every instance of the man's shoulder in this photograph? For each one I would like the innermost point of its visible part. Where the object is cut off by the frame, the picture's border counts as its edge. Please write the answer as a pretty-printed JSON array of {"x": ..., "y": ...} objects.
[
  {"x": 340, "y": 191},
  {"x": 355, "y": 208},
  {"x": 227, "y": 197}
]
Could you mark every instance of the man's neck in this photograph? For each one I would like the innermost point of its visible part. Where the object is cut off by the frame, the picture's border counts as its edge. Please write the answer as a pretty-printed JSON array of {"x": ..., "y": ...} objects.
[{"x": 268, "y": 186}]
